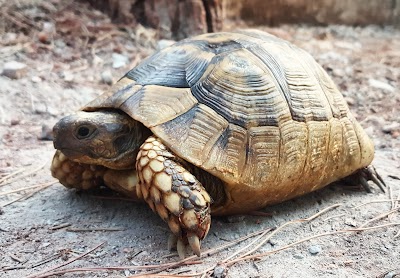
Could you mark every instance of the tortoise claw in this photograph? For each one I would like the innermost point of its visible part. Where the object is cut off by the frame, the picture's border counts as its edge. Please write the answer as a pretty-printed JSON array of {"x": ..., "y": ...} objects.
[
  {"x": 365, "y": 184},
  {"x": 362, "y": 176},
  {"x": 181, "y": 248},
  {"x": 373, "y": 175},
  {"x": 172, "y": 242},
  {"x": 194, "y": 243}
]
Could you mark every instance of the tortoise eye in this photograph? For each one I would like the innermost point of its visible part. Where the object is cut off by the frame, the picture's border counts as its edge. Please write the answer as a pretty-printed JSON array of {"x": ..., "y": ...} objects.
[{"x": 84, "y": 131}]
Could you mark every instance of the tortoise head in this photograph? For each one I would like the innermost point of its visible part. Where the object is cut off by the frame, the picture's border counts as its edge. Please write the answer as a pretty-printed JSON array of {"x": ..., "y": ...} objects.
[{"x": 109, "y": 138}]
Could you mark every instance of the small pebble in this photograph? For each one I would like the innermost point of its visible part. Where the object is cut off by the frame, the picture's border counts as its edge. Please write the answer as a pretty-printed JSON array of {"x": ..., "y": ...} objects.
[
  {"x": 219, "y": 272},
  {"x": 36, "y": 79},
  {"x": 161, "y": 44},
  {"x": 119, "y": 60},
  {"x": 298, "y": 256},
  {"x": 381, "y": 85},
  {"x": 68, "y": 76},
  {"x": 14, "y": 70},
  {"x": 315, "y": 249},
  {"x": 350, "y": 222},
  {"x": 391, "y": 127},
  {"x": 47, "y": 133},
  {"x": 106, "y": 77},
  {"x": 391, "y": 274}
]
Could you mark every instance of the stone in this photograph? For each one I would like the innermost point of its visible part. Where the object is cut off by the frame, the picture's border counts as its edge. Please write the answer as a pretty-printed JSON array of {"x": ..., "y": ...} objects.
[
  {"x": 391, "y": 127},
  {"x": 119, "y": 60},
  {"x": 219, "y": 272},
  {"x": 106, "y": 77},
  {"x": 381, "y": 85},
  {"x": 14, "y": 70},
  {"x": 315, "y": 249},
  {"x": 161, "y": 44}
]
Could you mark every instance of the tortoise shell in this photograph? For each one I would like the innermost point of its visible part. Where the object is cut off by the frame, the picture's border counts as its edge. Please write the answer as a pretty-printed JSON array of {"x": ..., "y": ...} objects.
[{"x": 251, "y": 109}]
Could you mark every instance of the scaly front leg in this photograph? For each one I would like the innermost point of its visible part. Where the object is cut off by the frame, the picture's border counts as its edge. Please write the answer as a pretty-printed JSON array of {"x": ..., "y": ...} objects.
[{"x": 174, "y": 193}]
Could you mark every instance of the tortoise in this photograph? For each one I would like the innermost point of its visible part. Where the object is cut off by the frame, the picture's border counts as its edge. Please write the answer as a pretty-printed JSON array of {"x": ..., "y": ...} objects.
[{"x": 220, "y": 123}]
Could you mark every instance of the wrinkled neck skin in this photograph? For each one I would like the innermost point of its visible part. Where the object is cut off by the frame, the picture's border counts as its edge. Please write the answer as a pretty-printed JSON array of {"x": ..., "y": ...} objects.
[{"x": 109, "y": 138}]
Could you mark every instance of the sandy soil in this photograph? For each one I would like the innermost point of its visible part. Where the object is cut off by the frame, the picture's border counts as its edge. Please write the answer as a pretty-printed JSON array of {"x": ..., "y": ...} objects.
[{"x": 49, "y": 227}]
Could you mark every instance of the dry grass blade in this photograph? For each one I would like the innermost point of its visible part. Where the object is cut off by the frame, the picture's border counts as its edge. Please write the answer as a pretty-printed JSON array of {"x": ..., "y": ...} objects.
[
  {"x": 372, "y": 202},
  {"x": 3, "y": 179},
  {"x": 380, "y": 216},
  {"x": 287, "y": 224},
  {"x": 260, "y": 256},
  {"x": 47, "y": 272},
  {"x": 108, "y": 268},
  {"x": 41, "y": 185},
  {"x": 26, "y": 196},
  {"x": 6, "y": 180}
]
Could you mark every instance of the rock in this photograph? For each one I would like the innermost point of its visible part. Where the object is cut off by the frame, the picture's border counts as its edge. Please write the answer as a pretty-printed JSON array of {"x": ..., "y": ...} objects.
[
  {"x": 106, "y": 77},
  {"x": 391, "y": 274},
  {"x": 390, "y": 128},
  {"x": 219, "y": 272},
  {"x": 67, "y": 76},
  {"x": 381, "y": 85},
  {"x": 47, "y": 33},
  {"x": 350, "y": 222},
  {"x": 315, "y": 249},
  {"x": 14, "y": 70},
  {"x": 350, "y": 101},
  {"x": 36, "y": 79},
  {"x": 47, "y": 133},
  {"x": 119, "y": 60},
  {"x": 298, "y": 256},
  {"x": 161, "y": 44}
]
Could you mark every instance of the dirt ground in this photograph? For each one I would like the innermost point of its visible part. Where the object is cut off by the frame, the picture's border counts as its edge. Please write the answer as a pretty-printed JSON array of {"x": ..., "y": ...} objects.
[{"x": 43, "y": 224}]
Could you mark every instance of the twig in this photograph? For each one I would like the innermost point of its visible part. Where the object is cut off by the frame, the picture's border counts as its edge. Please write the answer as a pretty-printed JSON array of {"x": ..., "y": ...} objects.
[
  {"x": 287, "y": 224},
  {"x": 101, "y": 229},
  {"x": 26, "y": 196},
  {"x": 371, "y": 202},
  {"x": 380, "y": 216},
  {"x": 15, "y": 258},
  {"x": 260, "y": 213},
  {"x": 47, "y": 272},
  {"x": 334, "y": 216},
  {"x": 46, "y": 260},
  {"x": 5, "y": 182},
  {"x": 57, "y": 227},
  {"x": 28, "y": 187},
  {"x": 226, "y": 261},
  {"x": 10, "y": 175},
  {"x": 86, "y": 269},
  {"x": 259, "y": 256},
  {"x": 247, "y": 246}
]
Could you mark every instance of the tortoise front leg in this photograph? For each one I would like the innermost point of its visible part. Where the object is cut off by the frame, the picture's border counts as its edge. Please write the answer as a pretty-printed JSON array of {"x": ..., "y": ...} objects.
[
  {"x": 174, "y": 193},
  {"x": 76, "y": 175},
  {"x": 86, "y": 176}
]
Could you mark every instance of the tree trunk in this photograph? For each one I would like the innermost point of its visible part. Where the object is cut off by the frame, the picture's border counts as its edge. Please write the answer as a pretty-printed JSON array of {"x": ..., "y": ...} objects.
[
  {"x": 176, "y": 19},
  {"x": 275, "y": 12}
]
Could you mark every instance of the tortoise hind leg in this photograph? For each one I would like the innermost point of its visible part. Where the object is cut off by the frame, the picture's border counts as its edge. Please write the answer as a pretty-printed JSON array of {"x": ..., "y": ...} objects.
[
  {"x": 174, "y": 193},
  {"x": 363, "y": 175}
]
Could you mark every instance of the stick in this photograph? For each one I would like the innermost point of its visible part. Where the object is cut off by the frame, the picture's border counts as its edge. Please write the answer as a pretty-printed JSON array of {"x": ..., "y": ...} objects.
[
  {"x": 259, "y": 256},
  {"x": 43, "y": 273},
  {"x": 28, "y": 187}
]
